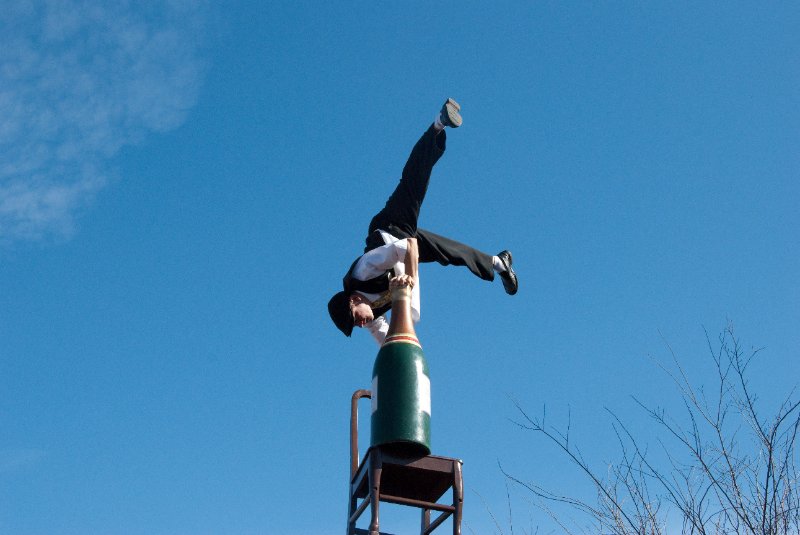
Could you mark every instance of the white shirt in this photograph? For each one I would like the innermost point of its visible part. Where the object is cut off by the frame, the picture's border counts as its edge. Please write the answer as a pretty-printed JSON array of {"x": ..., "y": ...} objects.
[{"x": 378, "y": 261}]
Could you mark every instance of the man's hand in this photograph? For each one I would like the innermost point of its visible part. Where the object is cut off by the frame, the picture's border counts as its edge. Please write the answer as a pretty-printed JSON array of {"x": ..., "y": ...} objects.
[{"x": 401, "y": 281}]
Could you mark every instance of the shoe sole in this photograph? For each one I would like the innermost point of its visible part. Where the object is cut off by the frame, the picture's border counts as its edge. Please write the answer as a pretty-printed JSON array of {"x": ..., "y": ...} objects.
[
  {"x": 510, "y": 258},
  {"x": 453, "y": 114},
  {"x": 508, "y": 266}
]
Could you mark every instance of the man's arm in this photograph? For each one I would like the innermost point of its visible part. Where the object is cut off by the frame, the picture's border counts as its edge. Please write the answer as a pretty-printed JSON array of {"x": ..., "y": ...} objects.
[
  {"x": 381, "y": 259},
  {"x": 410, "y": 265},
  {"x": 411, "y": 260}
]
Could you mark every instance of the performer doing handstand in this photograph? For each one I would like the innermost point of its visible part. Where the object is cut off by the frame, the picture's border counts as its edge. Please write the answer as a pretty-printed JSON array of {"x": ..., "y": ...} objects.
[{"x": 395, "y": 244}]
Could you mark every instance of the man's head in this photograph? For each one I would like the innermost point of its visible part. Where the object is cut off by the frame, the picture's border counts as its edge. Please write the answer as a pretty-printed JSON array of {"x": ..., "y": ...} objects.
[
  {"x": 348, "y": 311},
  {"x": 339, "y": 310}
]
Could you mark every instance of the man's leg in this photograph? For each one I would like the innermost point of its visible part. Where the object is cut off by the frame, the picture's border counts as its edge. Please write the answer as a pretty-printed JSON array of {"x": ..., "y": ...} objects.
[
  {"x": 436, "y": 248},
  {"x": 400, "y": 215},
  {"x": 402, "y": 209}
]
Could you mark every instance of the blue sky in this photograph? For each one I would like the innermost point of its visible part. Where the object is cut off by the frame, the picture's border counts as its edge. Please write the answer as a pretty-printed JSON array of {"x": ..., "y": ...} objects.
[{"x": 183, "y": 185}]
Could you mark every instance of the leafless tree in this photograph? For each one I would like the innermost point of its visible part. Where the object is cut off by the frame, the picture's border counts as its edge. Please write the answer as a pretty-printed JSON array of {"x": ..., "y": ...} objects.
[{"x": 725, "y": 468}]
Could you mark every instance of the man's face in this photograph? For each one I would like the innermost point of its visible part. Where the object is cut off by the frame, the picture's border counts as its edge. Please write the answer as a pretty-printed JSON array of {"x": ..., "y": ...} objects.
[{"x": 362, "y": 312}]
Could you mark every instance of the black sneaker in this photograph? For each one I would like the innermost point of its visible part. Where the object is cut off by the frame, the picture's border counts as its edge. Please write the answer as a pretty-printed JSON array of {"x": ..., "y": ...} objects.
[
  {"x": 510, "y": 282},
  {"x": 450, "y": 116}
]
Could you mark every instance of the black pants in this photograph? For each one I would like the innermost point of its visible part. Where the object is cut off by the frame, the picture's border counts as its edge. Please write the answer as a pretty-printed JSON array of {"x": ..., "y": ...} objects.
[{"x": 399, "y": 216}]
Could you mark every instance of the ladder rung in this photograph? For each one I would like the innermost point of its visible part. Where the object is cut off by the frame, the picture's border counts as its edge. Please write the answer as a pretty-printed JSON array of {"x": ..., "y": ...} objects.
[{"x": 417, "y": 503}]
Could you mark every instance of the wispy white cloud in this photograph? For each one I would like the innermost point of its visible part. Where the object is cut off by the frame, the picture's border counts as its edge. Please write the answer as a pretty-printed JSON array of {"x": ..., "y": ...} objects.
[
  {"x": 12, "y": 460},
  {"x": 79, "y": 80}
]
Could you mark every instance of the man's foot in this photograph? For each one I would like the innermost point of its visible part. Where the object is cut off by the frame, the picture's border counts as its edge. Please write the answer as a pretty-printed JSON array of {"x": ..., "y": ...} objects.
[
  {"x": 450, "y": 116},
  {"x": 510, "y": 282}
]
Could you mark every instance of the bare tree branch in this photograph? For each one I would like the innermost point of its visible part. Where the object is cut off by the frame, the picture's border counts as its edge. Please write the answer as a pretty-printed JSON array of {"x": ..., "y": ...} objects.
[{"x": 728, "y": 470}]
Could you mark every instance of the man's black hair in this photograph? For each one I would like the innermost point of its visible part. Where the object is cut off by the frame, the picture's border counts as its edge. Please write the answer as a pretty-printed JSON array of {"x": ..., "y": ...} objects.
[{"x": 339, "y": 309}]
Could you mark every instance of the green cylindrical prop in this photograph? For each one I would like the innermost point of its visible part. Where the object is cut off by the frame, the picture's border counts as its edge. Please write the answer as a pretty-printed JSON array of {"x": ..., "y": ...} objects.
[{"x": 401, "y": 397}]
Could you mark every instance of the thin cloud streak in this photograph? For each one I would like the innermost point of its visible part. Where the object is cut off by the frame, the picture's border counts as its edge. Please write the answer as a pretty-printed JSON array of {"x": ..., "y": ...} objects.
[
  {"x": 78, "y": 81},
  {"x": 12, "y": 460}
]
